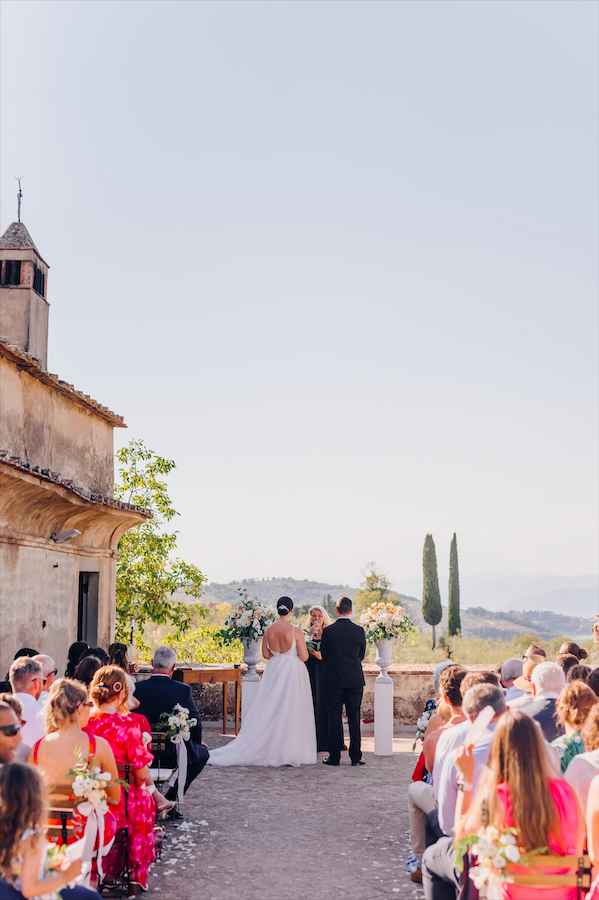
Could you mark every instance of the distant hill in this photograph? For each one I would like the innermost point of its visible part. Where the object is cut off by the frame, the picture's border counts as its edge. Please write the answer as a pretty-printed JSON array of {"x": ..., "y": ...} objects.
[
  {"x": 583, "y": 601},
  {"x": 476, "y": 621}
]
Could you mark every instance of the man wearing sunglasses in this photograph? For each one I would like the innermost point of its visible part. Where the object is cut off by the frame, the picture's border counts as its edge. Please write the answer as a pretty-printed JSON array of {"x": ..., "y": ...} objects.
[
  {"x": 49, "y": 672},
  {"x": 26, "y": 681},
  {"x": 10, "y": 734}
]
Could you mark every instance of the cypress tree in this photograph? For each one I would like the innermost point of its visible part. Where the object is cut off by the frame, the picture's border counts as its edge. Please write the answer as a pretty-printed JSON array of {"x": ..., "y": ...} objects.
[
  {"x": 454, "y": 626},
  {"x": 432, "y": 611}
]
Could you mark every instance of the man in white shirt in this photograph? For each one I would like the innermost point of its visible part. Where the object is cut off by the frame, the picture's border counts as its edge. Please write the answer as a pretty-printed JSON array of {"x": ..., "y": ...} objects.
[
  {"x": 49, "y": 672},
  {"x": 26, "y": 681},
  {"x": 510, "y": 670},
  {"x": 524, "y": 682}
]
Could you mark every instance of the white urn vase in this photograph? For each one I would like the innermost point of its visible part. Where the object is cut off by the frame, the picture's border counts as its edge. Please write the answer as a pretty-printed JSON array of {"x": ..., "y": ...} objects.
[
  {"x": 384, "y": 658},
  {"x": 251, "y": 657}
]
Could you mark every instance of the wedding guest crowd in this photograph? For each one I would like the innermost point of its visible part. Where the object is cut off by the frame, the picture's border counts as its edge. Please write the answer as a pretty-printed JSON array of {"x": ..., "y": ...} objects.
[
  {"x": 534, "y": 768},
  {"x": 93, "y": 716}
]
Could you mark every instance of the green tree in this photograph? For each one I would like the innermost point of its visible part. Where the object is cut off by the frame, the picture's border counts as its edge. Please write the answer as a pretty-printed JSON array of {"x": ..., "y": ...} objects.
[
  {"x": 454, "y": 625},
  {"x": 147, "y": 573},
  {"x": 376, "y": 588},
  {"x": 329, "y": 604},
  {"x": 432, "y": 611}
]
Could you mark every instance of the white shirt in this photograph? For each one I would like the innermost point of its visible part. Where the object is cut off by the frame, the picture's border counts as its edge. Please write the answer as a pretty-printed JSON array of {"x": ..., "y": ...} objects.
[
  {"x": 448, "y": 782},
  {"x": 447, "y": 745},
  {"x": 581, "y": 774},
  {"x": 43, "y": 700},
  {"x": 35, "y": 727},
  {"x": 520, "y": 702}
]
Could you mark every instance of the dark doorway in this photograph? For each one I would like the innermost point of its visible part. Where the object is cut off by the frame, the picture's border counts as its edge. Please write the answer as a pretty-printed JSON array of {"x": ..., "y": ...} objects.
[{"x": 87, "y": 616}]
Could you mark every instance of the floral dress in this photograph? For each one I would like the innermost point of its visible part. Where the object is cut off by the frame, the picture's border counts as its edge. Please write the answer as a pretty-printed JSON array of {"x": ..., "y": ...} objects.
[
  {"x": 567, "y": 748},
  {"x": 136, "y": 810}
]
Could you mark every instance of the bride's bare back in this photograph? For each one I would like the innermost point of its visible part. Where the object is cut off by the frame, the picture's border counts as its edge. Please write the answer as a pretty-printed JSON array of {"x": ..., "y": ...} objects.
[{"x": 280, "y": 639}]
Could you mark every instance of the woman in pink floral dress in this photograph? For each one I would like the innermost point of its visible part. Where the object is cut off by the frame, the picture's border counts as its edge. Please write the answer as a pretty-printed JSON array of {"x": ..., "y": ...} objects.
[{"x": 136, "y": 811}]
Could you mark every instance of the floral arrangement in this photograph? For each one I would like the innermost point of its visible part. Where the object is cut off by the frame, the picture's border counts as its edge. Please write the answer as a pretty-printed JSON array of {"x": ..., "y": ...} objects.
[
  {"x": 89, "y": 783},
  {"x": 494, "y": 851},
  {"x": 385, "y": 621},
  {"x": 177, "y": 724},
  {"x": 248, "y": 621},
  {"x": 56, "y": 858},
  {"x": 422, "y": 723}
]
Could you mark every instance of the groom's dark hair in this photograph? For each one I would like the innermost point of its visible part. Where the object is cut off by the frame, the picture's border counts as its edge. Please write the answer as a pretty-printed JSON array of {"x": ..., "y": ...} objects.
[{"x": 344, "y": 606}]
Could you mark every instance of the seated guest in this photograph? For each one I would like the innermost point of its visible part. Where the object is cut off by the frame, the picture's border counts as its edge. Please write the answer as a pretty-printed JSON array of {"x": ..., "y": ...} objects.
[
  {"x": 524, "y": 682},
  {"x": 585, "y": 766},
  {"x": 67, "y": 713},
  {"x": 432, "y": 707},
  {"x": 534, "y": 650},
  {"x": 569, "y": 647},
  {"x": 98, "y": 652},
  {"x": 593, "y": 834},
  {"x": 86, "y": 668},
  {"x": 160, "y": 694},
  {"x": 579, "y": 673},
  {"x": 567, "y": 661},
  {"x": 22, "y": 843},
  {"x": 510, "y": 670},
  {"x": 75, "y": 653},
  {"x": 548, "y": 681},
  {"x": 109, "y": 692},
  {"x": 519, "y": 791},
  {"x": 24, "y": 651},
  {"x": 474, "y": 702},
  {"x": 451, "y": 739},
  {"x": 118, "y": 655},
  {"x": 26, "y": 681},
  {"x": 10, "y": 734},
  {"x": 571, "y": 709},
  {"x": 421, "y": 796},
  {"x": 593, "y": 681},
  {"x": 49, "y": 671}
]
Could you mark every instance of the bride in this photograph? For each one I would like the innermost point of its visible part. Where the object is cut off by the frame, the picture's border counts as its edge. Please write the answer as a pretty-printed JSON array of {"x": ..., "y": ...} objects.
[{"x": 279, "y": 728}]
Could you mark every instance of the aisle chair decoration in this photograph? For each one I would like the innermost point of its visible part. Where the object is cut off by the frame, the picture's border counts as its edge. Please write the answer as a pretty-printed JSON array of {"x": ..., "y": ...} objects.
[
  {"x": 89, "y": 786},
  {"x": 177, "y": 726}
]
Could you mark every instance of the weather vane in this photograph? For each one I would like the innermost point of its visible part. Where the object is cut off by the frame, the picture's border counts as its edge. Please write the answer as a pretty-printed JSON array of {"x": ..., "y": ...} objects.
[{"x": 18, "y": 178}]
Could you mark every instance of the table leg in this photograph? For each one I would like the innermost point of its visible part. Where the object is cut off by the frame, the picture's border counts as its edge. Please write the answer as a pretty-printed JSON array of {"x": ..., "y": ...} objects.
[
  {"x": 225, "y": 704},
  {"x": 237, "y": 703}
]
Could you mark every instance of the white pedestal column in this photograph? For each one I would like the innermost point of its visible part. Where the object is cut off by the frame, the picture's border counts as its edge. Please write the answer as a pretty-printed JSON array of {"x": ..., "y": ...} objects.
[
  {"x": 383, "y": 702},
  {"x": 249, "y": 692}
]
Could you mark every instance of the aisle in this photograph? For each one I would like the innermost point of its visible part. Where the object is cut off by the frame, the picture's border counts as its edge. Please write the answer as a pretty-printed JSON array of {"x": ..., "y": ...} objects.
[{"x": 291, "y": 834}]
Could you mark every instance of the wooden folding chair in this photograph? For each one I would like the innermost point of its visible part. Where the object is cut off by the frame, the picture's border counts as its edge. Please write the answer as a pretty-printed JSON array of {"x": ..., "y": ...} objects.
[
  {"x": 579, "y": 874},
  {"x": 61, "y": 806},
  {"x": 161, "y": 746}
]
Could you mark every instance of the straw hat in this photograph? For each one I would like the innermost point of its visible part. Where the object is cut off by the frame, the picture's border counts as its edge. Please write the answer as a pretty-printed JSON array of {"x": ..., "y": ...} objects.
[{"x": 531, "y": 662}]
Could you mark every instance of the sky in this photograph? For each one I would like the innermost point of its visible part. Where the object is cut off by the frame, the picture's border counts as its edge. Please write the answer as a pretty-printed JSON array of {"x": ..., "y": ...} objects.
[{"x": 336, "y": 259}]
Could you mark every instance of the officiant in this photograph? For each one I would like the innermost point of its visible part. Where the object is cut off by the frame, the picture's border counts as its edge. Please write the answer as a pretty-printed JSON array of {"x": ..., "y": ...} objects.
[{"x": 317, "y": 622}]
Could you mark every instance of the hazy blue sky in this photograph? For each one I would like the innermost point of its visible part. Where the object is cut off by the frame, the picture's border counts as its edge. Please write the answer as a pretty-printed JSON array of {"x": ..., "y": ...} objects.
[{"x": 337, "y": 259}]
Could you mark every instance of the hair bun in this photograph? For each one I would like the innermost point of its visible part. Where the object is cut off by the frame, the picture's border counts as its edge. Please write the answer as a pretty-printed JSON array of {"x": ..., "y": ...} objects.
[{"x": 583, "y": 653}]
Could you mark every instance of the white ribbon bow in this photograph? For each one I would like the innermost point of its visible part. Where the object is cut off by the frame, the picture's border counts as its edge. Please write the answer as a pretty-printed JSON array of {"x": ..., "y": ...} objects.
[
  {"x": 180, "y": 772},
  {"x": 94, "y": 828}
]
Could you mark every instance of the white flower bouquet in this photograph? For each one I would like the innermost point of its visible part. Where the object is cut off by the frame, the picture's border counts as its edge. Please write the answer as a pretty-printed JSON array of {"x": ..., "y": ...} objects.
[
  {"x": 385, "y": 621},
  {"x": 89, "y": 783},
  {"x": 177, "y": 724},
  {"x": 248, "y": 621},
  {"x": 494, "y": 851}
]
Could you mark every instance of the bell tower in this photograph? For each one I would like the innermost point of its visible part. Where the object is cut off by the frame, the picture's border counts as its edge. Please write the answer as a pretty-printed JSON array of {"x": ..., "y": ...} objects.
[{"x": 23, "y": 304}]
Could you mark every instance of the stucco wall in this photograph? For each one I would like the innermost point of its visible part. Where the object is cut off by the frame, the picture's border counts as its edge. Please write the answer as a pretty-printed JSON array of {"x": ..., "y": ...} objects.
[
  {"x": 44, "y": 583},
  {"x": 45, "y": 428}
]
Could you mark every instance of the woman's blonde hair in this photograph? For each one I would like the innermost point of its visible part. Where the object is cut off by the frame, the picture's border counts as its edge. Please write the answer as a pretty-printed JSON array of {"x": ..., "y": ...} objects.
[
  {"x": 22, "y": 807},
  {"x": 325, "y": 615},
  {"x": 107, "y": 683},
  {"x": 574, "y": 704},
  {"x": 518, "y": 758},
  {"x": 64, "y": 699}
]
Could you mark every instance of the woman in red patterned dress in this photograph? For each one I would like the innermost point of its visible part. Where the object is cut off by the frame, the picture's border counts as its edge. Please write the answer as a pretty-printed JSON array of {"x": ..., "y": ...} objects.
[{"x": 109, "y": 691}]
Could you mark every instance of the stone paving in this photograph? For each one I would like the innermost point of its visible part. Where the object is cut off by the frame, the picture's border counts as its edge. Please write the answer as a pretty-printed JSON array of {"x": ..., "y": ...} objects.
[{"x": 254, "y": 833}]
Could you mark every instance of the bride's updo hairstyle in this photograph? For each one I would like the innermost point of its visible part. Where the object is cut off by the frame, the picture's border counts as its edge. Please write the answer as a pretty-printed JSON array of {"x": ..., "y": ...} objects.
[
  {"x": 107, "y": 683},
  {"x": 284, "y": 606}
]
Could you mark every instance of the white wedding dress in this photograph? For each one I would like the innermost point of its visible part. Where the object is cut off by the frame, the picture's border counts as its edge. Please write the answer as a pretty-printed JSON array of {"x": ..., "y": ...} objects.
[{"x": 279, "y": 728}]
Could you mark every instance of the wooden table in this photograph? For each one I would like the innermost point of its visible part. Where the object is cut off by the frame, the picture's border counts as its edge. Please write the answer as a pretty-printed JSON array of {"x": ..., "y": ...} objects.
[{"x": 195, "y": 674}]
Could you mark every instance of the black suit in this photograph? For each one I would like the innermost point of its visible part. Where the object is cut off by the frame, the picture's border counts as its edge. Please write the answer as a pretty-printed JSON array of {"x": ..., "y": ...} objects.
[
  {"x": 159, "y": 694},
  {"x": 543, "y": 712},
  {"x": 343, "y": 647}
]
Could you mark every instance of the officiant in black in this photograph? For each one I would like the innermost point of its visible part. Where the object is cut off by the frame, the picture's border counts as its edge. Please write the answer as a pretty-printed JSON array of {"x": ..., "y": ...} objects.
[{"x": 318, "y": 620}]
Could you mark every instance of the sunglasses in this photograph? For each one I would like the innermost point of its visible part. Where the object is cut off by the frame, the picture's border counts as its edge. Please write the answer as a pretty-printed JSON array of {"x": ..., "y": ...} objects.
[
  {"x": 87, "y": 703},
  {"x": 55, "y": 672},
  {"x": 10, "y": 730}
]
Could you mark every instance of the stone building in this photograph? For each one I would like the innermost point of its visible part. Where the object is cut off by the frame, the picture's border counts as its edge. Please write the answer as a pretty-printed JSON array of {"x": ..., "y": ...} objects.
[{"x": 59, "y": 522}]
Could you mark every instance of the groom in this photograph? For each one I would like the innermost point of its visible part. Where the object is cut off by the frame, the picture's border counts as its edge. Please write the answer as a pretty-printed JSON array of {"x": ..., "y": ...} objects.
[{"x": 343, "y": 647}]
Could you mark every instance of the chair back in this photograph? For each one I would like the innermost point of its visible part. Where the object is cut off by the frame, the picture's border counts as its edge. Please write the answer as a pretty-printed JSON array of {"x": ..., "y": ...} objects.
[
  {"x": 578, "y": 874},
  {"x": 61, "y": 807}
]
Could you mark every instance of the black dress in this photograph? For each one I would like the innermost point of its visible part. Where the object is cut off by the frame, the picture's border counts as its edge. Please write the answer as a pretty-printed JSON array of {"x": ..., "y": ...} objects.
[{"x": 316, "y": 671}]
